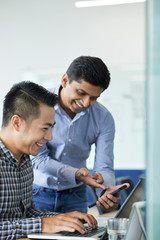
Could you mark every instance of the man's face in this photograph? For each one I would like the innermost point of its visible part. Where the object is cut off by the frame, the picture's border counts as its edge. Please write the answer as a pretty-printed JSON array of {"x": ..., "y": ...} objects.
[
  {"x": 36, "y": 132},
  {"x": 78, "y": 96}
]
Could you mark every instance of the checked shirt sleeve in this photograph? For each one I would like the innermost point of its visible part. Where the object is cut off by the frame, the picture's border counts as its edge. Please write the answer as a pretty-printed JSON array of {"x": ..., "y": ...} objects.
[
  {"x": 34, "y": 212},
  {"x": 22, "y": 227},
  {"x": 19, "y": 228}
]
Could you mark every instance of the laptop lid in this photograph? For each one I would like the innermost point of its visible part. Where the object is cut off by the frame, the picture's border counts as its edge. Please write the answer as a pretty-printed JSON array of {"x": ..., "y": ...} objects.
[{"x": 137, "y": 222}]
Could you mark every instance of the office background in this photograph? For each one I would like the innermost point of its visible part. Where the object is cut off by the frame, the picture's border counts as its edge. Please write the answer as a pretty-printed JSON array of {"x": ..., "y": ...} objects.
[{"x": 40, "y": 38}]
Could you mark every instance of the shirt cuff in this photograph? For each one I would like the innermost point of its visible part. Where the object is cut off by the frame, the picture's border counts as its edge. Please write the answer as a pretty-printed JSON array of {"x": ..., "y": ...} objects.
[{"x": 68, "y": 175}]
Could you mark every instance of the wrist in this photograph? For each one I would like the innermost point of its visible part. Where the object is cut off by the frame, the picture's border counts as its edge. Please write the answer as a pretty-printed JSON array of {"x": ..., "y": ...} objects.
[{"x": 43, "y": 225}]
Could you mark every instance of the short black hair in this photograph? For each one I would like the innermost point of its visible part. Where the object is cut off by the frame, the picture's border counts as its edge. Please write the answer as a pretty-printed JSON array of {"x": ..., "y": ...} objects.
[
  {"x": 90, "y": 69},
  {"x": 24, "y": 99}
]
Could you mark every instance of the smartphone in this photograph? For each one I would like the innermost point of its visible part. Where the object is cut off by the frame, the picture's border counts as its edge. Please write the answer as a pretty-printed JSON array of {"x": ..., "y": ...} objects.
[
  {"x": 118, "y": 190},
  {"x": 112, "y": 193}
]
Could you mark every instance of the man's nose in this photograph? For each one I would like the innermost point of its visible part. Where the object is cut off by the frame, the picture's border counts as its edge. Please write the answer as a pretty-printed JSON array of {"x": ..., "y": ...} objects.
[
  {"x": 86, "y": 101},
  {"x": 49, "y": 135}
]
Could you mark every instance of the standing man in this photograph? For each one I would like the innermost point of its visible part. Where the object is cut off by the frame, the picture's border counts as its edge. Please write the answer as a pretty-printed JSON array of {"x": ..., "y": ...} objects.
[
  {"x": 28, "y": 119},
  {"x": 80, "y": 122}
]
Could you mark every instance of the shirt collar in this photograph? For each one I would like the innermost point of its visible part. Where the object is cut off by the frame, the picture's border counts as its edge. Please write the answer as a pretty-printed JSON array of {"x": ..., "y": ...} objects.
[{"x": 8, "y": 155}]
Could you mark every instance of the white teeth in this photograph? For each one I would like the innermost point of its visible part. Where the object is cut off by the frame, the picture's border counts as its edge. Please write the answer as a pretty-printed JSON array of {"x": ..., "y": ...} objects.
[
  {"x": 40, "y": 145},
  {"x": 79, "y": 105}
]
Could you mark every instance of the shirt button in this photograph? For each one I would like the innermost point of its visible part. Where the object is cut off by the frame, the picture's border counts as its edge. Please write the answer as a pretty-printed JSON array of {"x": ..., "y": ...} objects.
[
  {"x": 58, "y": 182},
  {"x": 69, "y": 140},
  {"x": 64, "y": 154}
]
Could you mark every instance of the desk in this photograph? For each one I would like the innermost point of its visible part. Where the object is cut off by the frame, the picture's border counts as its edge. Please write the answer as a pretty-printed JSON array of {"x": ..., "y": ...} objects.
[
  {"x": 109, "y": 214},
  {"x": 95, "y": 213}
]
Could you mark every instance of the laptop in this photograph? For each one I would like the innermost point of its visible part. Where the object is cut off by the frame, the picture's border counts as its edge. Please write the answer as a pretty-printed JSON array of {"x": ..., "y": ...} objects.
[
  {"x": 137, "y": 222},
  {"x": 136, "y": 195}
]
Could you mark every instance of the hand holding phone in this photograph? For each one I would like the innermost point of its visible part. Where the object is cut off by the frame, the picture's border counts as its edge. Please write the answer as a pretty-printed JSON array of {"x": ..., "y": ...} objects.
[
  {"x": 112, "y": 193},
  {"x": 118, "y": 190}
]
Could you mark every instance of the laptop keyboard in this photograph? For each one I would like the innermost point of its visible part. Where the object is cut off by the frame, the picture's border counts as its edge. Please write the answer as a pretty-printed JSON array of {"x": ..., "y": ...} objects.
[{"x": 90, "y": 232}]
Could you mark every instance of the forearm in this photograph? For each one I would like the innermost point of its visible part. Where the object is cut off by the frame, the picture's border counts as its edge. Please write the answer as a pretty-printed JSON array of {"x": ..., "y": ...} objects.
[
  {"x": 58, "y": 172},
  {"x": 47, "y": 165}
]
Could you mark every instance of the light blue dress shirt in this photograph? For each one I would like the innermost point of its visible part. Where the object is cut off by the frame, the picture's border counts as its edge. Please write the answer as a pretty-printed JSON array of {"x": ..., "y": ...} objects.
[{"x": 59, "y": 159}]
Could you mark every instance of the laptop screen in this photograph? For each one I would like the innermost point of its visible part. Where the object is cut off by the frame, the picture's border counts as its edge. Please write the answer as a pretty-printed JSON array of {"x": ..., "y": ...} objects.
[
  {"x": 137, "y": 222},
  {"x": 136, "y": 195}
]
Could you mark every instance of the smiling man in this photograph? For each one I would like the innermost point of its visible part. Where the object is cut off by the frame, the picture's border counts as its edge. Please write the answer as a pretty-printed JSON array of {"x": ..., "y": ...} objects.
[
  {"x": 28, "y": 119},
  {"x": 60, "y": 174}
]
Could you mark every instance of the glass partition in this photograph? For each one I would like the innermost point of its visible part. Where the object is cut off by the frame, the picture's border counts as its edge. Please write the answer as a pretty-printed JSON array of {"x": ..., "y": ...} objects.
[{"x": 153, "y": 119}]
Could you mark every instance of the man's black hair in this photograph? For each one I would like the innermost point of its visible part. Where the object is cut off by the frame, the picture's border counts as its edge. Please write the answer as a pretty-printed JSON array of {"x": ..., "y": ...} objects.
[
  {"x": 24, "y": 99},
  {"x": 90, "y": 69}
]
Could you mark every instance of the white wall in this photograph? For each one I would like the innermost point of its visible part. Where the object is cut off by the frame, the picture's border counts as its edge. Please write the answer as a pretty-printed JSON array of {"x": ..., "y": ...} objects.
[{"x": 39, "y": 39}]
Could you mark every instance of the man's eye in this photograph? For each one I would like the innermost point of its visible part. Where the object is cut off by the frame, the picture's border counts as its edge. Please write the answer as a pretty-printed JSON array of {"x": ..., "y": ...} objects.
[
  {"x": 45, "y": 129},
  {"x": 81, "y": 93}
]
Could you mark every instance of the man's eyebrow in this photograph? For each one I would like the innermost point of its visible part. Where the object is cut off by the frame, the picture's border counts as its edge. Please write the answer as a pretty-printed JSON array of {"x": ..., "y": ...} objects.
[
  {"x": 88, "y": 94},
  {"x": 50, "y": 124}
]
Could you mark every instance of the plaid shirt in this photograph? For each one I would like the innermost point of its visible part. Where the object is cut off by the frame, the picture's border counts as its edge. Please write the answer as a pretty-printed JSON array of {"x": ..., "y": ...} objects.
[{"x": 18, "y": 216}]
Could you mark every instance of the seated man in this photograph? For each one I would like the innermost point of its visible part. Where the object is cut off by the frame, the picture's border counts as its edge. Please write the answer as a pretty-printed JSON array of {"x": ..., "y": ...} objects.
[{"x": 28, "y": 119}]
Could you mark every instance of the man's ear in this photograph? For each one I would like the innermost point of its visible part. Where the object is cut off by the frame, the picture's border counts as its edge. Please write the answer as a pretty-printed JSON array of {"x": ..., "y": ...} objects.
[
  {"x": 65, "y": 80},
  {"x": 16, "y": 122}
]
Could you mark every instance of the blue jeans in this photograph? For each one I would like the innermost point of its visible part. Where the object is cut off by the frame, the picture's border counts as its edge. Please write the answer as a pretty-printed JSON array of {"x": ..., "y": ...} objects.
[{"x": 74, "y": 199}]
